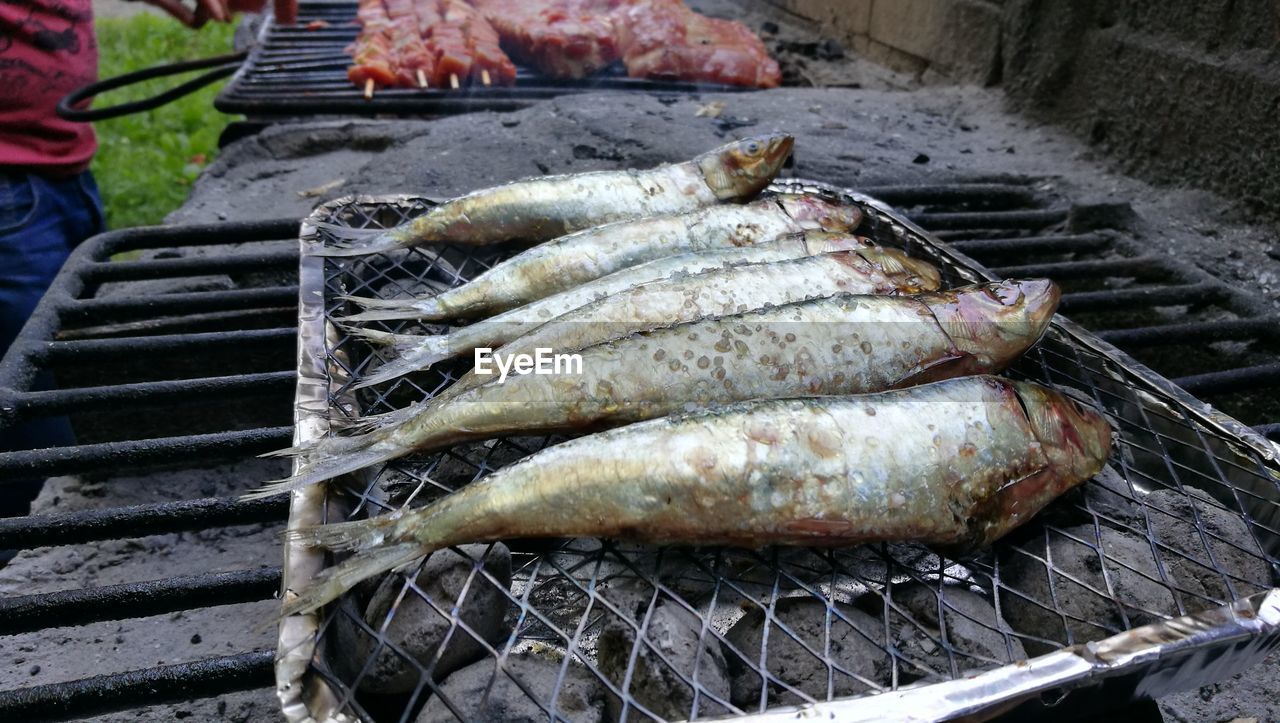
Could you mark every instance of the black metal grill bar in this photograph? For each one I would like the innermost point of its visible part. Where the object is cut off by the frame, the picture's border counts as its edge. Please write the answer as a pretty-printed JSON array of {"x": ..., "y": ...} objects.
[
  {"x": 1142, "y": 297},
  {"x": 1232, "y": 380},
  {"x": 135, "y": 599},
  {"x": 196, "y": 266},
  {"x": 97, "y": 349},
  {"x": 1000, "y": 219},
  {"x": 73, "y": 528},
  {"x": 134, "y": 454},
  {"x": 143, "y": 394},
  {"x": 188, "y": 323},
  {"x": 1033, "y": 244},
  {"x": 1200, "y": 331},
  {"x": 99, "y": 310},
  {"x": 162, "y": 237},
  {"x": 107, "y": 693},
  {"x": 1141, "y": 267}
]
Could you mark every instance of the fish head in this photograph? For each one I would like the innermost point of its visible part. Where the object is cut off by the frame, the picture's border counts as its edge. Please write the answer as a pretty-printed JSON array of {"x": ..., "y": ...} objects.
[
  {"x": 1075, "y": 440},
  {"x": 743, "y": 168},
  {"x": 826, "y": 242},
  {"x": 812, "y": 212},
  {"x": 995, "y": 323},
  {"x": 903, "y": 274}
]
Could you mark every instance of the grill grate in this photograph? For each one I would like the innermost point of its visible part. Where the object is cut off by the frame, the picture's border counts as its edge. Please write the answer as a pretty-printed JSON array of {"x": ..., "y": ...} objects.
[
  {"x": 294, "y": 70},
  {"x": 828, "y": 623}
]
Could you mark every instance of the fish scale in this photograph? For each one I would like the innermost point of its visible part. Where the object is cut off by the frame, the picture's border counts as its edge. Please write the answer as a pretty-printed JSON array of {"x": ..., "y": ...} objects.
[
  {"x": 809, "y": 471},
  {"x": 835, "y": 345}
]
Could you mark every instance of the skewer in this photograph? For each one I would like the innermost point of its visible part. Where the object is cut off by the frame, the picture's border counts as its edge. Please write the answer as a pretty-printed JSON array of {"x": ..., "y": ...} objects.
[
  {"x": 422, "y": 79},
  {"x": 484, "y": 76},
  {"x": 368, "y": 89},
  {"x": 453, "y": 80}
]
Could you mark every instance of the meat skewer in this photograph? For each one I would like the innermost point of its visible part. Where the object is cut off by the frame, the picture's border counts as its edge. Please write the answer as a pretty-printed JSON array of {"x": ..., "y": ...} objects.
[
  {"x": 414, "y": 64},
  {"x": 372, "y": 56}
]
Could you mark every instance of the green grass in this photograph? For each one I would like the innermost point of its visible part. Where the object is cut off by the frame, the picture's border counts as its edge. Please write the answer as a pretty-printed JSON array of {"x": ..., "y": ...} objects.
[{"x": 147, "y": 161}]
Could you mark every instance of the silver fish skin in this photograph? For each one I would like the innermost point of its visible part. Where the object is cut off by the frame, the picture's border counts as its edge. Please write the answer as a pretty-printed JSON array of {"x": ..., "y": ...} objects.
[
  {"x": 835, "y": 345},
  {"x": 956, "y": 463},
  {"x": 538, "y": 209},
  {"x": 708, "y": 294},
  {"x": 585, "y": 256}
]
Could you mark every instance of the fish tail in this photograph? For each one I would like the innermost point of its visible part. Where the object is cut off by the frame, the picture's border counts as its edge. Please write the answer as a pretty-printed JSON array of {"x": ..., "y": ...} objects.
[
  {"x": 415, "y": 353},
  {"x": 355, "y": 535},
  {"x": 333, "y": 582},
  {"x": 332, "y": 457},
  {"x": 395, "y": 309}
]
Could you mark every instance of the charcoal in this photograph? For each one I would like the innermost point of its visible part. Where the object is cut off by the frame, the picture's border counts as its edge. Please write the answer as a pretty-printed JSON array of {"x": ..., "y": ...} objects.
[
  {"x": 1132, "y": 576},
  {"x": 1227, "y": 536},
  {"x": 973, "y": 630},
  {"x": 854, "y": 651},
  {"x": 669, "y": 654},
  {"x": 418, "y": 629},
  {"x": 579, "y": 699}
]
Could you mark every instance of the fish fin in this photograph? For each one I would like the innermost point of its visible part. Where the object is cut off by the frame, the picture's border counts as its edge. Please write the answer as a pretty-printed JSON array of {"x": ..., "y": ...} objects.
[
  {"x": 952, "y": 365},
  {"x": 415, "y": 353},
  {"x": 333, "y": 582},
  {"x": 375, "y": 336},
  {"x": 355, "y": 535},
  {"x": 331, "y": 460},
  {"x": 347, "y": 232},
  {"x": 394, "y": 309}
]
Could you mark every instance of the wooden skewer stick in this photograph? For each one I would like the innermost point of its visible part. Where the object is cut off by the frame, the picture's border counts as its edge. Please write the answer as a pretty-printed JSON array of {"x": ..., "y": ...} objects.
[
  {"x": 453, "y": 80},
  {"x": 484, "y": 76},
  {"x": 368, "y": 89},
  {"x": 422, "y": 79}
]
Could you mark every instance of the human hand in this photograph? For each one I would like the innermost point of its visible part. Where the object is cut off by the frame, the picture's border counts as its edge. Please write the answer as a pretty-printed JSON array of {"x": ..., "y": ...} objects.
[{"x": 206, "y": 10}]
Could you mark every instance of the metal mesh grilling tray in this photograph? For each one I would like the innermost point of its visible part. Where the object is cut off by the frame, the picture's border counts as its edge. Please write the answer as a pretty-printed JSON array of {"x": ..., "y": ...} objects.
[
  {"x": 302, "y": 69},
  {"x": 1184, "y": 520}
]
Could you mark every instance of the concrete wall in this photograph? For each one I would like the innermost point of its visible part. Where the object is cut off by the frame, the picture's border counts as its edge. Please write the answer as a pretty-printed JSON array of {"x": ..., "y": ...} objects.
[{"x": 1180, "y": 90}]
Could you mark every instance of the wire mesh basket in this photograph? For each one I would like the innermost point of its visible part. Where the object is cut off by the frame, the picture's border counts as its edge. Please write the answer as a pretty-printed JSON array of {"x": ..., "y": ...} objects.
[{"x": 1183, "y": 520}]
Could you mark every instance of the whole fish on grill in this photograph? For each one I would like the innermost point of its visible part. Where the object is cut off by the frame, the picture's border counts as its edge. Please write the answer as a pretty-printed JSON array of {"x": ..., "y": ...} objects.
[
  {"x": 957, "y": 463},
  {"x": 539, "y": 209},
  {"x": 709, "y": 294},
  {"x": 588, "y": 255},
  {"x": 836, "y": 345}
]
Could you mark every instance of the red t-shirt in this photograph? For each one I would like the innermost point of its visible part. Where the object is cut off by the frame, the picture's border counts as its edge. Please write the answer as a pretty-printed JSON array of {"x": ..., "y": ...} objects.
[{"x": 47, "y": 50}]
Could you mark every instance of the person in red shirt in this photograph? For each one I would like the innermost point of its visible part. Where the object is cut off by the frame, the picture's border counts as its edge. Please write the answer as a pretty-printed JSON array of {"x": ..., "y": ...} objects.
[{"x": 48, "y": 200}]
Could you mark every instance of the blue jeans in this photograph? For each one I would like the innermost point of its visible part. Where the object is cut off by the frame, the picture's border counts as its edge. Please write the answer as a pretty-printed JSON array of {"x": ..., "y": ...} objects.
[{"x": 41, "y": 221}]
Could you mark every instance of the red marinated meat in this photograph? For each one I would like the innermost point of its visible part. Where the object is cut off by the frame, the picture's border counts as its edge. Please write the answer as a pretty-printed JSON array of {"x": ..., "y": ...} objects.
[
  {"x": 560, "y": 38},
  {"x": 665, "y": 39}
]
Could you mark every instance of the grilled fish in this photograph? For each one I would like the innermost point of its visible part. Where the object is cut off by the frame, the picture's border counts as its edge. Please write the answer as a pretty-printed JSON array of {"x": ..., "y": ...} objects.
[
  {"x": 957, "y": 463},
  {"x": 709, "y": 294},
  {"x": 538, "y": 209},
  {"x": 836, "y": 345},
  {"x": 588, "y": 255}
]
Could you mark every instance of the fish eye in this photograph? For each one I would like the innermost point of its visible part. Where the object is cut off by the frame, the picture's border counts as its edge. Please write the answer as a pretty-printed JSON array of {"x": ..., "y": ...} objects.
[{"x": 753, "y": 147}]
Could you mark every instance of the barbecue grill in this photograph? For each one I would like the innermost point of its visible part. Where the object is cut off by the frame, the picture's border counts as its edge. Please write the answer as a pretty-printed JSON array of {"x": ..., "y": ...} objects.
[
  {"x": 89, "y": 341},
  {"x": 301, "y": 70},
  {"x": 603, "y": 611}
]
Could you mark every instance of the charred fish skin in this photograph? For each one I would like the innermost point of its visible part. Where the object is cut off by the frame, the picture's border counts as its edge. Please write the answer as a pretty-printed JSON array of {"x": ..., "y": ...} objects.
[
  {"x": 958, "y": 462},
  {"x": 833, "y": 345},
  {"x": 712, "y": 293},
  {"x": 585, "y": 256},
  {"x": 539, "y": 209}
]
